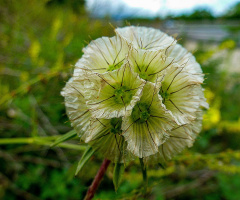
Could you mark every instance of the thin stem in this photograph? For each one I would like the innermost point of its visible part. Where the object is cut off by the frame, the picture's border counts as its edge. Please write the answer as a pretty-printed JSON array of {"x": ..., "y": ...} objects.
[
  {"x": 45, "y": 141},
  {"x": 93, "y": 187},
  {"x": 144, "y": 173},
  {"x": 24, "y": 140}
]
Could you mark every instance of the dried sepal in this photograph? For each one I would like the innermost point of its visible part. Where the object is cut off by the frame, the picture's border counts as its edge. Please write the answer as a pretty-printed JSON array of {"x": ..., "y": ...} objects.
[
  {"x": 146, "y": 128},
  {"x": 76, "y": 107},
  {"x": 148, "y": 39},
  {"x": 180, "y": 93},
  {"x": 105, "y": 136},
  {"x": 113, "y": 94},
  {"x": 184, "y": 58},
  {"x": 102, "y": 55},
  {"x": 180, "y": 137},
  {"x": 150, "y": 65}
]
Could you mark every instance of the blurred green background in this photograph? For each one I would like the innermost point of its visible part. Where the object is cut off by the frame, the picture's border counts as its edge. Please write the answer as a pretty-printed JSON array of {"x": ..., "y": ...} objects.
[{"x": 40, "y": 43}]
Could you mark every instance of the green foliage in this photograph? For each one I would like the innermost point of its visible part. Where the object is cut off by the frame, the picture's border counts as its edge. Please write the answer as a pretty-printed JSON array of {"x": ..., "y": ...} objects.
[
  {"x": 197, "y": 14},
  {"x": 229, "y": 185},
  {"x": 234, "y": 12},
  {"x": 43, "y": 182}
]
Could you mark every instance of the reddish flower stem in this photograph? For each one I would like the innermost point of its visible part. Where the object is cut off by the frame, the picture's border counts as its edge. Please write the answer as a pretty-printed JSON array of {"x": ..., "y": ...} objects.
[{"x": 93, "y": 188}]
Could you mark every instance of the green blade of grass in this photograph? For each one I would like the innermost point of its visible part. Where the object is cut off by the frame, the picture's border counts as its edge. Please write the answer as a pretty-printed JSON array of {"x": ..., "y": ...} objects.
[
  {"x": 85, "y": 157},
  {"x": 69, "y": 135}
]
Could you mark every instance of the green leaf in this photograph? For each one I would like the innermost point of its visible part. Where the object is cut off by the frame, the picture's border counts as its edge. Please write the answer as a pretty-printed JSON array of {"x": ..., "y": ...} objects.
[
  {"x": 117, "y": 174},
  {"x": 65, "y": 137},
  {"x": 86, "y": 156}
]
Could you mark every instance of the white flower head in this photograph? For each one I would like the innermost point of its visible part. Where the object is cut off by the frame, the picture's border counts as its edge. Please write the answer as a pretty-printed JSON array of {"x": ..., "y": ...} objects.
[{"x": 137, "y": 94}]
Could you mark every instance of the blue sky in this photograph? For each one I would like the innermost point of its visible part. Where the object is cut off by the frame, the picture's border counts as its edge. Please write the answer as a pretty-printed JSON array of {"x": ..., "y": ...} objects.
[{"x": 153, "y": 8}]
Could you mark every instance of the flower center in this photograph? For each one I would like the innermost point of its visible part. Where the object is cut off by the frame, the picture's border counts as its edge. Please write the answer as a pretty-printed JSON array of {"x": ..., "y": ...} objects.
[
  {"x": 165, "y": 95},
  {"x": 141, "y": 112},
  {"x": 123, "y": 95},
  {"x": 116, "y": 124},
  {"x": 114, "y": 66},
  {"x": 143, "y": 75}
]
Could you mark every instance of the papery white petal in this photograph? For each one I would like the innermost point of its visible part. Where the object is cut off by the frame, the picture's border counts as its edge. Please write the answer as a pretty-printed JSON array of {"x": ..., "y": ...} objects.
[{"x": 184, "y": 58}]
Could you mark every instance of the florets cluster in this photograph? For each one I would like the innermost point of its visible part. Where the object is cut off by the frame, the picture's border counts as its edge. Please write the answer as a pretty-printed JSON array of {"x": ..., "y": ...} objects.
[{"x": 137, "y": 94}]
